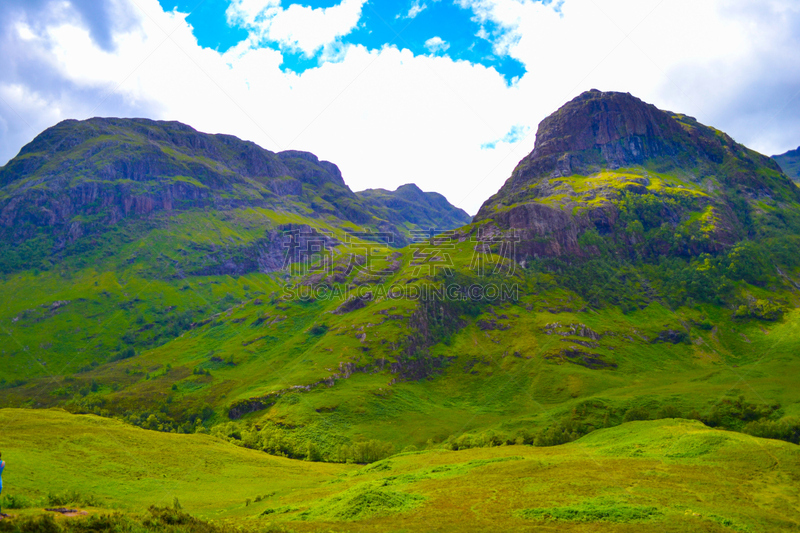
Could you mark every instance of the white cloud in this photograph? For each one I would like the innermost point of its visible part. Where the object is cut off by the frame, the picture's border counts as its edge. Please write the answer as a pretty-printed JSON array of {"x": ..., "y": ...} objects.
[
  {"x": 436, "y": 45},
  {"x": 387, "y": 117},
  {"x": 297, "y": 27},
  {"x": 416, "y": 9}
]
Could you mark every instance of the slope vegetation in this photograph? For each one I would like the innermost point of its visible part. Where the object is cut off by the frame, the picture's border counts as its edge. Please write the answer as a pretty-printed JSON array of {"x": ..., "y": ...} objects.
[
  {"x": 637, "y": 265},
  {"x": 671, "y": 475}
]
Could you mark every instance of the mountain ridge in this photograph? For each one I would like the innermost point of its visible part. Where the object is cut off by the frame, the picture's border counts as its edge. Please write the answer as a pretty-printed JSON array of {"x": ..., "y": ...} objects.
[
  {"x": 424, "y": 205},
  {"x": 81, "y": 177}
]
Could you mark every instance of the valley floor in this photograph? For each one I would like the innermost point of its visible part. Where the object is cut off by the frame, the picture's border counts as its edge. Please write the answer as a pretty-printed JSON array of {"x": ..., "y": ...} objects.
[{"x": 665, "y": 475}]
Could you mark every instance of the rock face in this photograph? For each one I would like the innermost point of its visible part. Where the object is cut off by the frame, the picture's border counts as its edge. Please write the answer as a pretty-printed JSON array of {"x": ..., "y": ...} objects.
[
  {"x": 602, "y": 130},
  {"x": 790, "y": 163},
  {"x": 82, "y": 177},
  {"x": 604, "y": 153}
]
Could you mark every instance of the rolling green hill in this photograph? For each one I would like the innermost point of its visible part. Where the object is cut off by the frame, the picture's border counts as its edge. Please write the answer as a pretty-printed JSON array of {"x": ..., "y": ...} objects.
[
  {"x": 669, "y": 475},
  {"x": 636, "y": 266}
]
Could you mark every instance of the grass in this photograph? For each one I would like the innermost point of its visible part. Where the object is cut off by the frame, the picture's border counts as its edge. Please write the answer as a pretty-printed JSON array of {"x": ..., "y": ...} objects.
[
  {"x": 127, "y": 468},
  {"x": 640, "y": 476},
  {"x": 591, "y": 512},
  {"x": 511, "y": 380}
]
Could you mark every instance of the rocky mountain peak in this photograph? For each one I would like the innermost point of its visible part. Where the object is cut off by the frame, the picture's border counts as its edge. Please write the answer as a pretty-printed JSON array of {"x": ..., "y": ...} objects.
[
  {"x": 599, "y": 131},
  {"x": 604, "y": 152},
  {"x": 624, "y": 129},
  {"x": 83, "y": 177}
]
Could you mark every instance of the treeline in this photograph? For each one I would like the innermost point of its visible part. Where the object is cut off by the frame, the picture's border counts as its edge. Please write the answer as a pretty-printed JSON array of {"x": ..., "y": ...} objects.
[
  {"x": 165, "y": 418},
  {"x": 759, "y": 420},
  {"x": 297, "y": 444}
]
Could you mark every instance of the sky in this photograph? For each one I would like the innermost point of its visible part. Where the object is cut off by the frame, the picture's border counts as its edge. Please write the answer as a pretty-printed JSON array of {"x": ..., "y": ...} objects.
[{"x": 446, "y": 94}]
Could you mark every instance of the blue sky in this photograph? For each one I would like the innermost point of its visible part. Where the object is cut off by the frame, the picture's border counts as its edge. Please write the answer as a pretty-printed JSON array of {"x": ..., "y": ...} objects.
[
  {"x": 446, "y": 94},
  {"x": 425, "y": 27}
]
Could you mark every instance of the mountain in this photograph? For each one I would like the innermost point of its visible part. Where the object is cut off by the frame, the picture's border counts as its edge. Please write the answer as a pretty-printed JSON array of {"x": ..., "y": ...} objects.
[
  {"x": 80, "y": 178},
  {"x": 636, "y": 265},
  {"x": 608, "y": 162},
  {"x": 408, "y": 204},
  {"x": 790, "y": 163}
]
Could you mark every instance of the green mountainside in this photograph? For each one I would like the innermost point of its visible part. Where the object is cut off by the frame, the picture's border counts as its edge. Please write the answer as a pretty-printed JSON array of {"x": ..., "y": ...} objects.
[
  {"x": 79, "y": 181},
  {"x": 637, "y": 265},
  {"x": 790, "y": 163}
]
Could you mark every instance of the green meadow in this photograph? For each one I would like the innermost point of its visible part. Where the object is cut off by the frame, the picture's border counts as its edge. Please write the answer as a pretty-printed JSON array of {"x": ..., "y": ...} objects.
[{"x": 667, "y": 475}]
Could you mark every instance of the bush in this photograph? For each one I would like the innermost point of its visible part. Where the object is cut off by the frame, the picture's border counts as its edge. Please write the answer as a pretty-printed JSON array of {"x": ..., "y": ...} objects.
[
  {"x": 319, "y": 329},
  {"x": 733, "y": 414},
  {"x": 159, "y": 519},
  {"x": 16, "y": 502},
  {"x": 560, "y": 433},
  {"x": 669, "y": 411},
  {"x": 41, "y": 524},
  {"x": 761, "y": 309},
  {"x": 636, "y": 413},
  {"x": 787, "y": 429},
  {"x": 124, "y": 354},
  {"x": 71, "y": 496}
]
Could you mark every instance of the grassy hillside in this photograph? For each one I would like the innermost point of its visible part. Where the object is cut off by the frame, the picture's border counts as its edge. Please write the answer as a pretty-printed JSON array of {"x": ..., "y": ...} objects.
[
  {"x": 671, "y": 475},
  {"x": 229, "y": 354},
  {"x": 140, "y": 327}
]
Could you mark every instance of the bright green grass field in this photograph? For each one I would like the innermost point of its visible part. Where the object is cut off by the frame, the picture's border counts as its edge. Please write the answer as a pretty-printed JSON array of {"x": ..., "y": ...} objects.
[{"x": 667, "y": 475}]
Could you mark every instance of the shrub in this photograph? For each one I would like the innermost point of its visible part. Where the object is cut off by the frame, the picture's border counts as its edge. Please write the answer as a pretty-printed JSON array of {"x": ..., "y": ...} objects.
[
  {"x": 733, "y": 414},
  {"x": 636, "y": 413},
  {"x": 319, "y": 329},
  {"x": 41, "y": 524},
  {"x": 787, "y": 429},
  {"x": 669, "y": 411},
  {"x": 560, "y": 433},
  {"x": 588, "y": 512},
  {"x": 72, "y": 497},
  {"x": 12, "y": 501},
  {"x": 761, "y": 309}
]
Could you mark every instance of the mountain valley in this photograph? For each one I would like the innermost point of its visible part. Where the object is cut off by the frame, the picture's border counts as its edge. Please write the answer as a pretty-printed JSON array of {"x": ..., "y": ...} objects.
[{"x": 626, "y": 306}]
